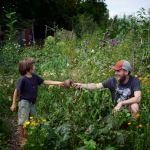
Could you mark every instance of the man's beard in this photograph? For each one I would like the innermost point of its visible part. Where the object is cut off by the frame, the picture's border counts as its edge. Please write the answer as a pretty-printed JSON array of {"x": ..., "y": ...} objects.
[{"x": 122, "y": 79}]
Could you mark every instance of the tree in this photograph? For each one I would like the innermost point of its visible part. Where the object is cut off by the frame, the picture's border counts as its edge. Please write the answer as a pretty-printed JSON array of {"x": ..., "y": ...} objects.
[{"x": 46, "y": 12}]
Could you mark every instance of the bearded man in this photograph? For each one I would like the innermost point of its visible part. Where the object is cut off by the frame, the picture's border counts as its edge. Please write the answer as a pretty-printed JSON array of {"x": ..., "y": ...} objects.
[{"x": 125, "y": 89}]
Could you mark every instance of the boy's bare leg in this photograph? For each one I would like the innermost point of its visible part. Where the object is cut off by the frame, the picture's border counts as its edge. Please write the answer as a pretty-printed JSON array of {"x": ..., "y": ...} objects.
[
  {"x": 21, "y": 132},
  {"x": 25, "y": 133}
]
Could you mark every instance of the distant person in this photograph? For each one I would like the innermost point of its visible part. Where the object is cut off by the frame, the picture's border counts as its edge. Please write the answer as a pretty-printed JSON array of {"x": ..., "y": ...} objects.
[
  {"x": 28, "y": 87},
  {"x": 125, "y": 89}
]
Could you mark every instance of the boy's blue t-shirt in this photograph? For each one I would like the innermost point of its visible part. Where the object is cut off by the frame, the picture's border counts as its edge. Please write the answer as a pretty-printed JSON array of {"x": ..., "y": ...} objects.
[
  {"x": 29, "y": 87},
  {"x": 121, "y": 92}
]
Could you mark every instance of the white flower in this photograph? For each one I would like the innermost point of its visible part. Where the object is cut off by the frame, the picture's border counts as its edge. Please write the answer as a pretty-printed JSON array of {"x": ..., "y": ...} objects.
[
  {"x": 11, "y": 80},
  {"x": 62, "y": 74},
  {"x": 9, "y": 97},
  {"x": 67, "y": 64},
  {"x": 92, "y": 50},
  {"x": 52, "y": 73}
]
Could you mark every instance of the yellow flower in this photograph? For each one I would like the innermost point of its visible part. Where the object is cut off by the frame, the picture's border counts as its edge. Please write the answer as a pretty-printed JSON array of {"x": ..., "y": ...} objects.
[
  {"x": 38, "y": 120},
  {"x": 31, "y": 118},
  {"x": 33, "y": 124},
  {"x": 129, "y": 123},
  {"x": 44, "y": 120},
  {"x": 137, "y": 115},
  {"x": 140, "y": 126},
  {"x": 26, "y": 123},
  {"x": 22, "y": 144},
  {"x": 147, "y": 124},
  {"x": 136, "y": 75}
]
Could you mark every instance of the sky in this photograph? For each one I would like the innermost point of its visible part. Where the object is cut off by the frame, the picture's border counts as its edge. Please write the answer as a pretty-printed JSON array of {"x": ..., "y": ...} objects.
[{"x": 127, "y": 7}]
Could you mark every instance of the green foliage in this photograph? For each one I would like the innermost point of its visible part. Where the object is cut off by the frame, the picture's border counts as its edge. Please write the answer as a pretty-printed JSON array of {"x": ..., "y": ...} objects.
[
  {"x": 10, "y": 51},
  {"x": 12, "y": 32},
  {"x": 72, "y": 118},
  {"x": 85, "y": 24},
  {"x": 4, "y": 133}
]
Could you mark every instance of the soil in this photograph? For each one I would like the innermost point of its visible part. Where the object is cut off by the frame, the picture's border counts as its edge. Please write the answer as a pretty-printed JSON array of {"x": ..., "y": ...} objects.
[{"x": 13, "y": 141}]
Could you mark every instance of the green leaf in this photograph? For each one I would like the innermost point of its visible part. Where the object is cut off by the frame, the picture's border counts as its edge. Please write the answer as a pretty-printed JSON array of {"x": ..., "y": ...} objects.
[
  {"x": 12, "y": 13},
  {"x": 8, "y": 15},
  {"x": 91, "y": 145},
  {"x": 14, "y": 21},
  {"x": 9, "y": 24},
  {"x": 14, "y": 18},
  {"x": 82, "y": 148},
  {"x": 128, "y": 114},
  {"x": 65, "y": 137}
]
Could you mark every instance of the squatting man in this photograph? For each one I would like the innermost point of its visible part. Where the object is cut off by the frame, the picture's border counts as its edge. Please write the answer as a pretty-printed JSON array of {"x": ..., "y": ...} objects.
[{"x": 125, "y": 89}]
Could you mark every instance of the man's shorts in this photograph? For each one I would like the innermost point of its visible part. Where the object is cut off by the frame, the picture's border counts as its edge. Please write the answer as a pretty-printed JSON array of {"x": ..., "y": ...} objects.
[
  {"x": 26, "y": 110},
  {"x": 122, "y": 108}
]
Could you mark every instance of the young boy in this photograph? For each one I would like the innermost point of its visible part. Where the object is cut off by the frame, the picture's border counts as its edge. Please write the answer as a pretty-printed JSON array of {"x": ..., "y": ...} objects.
[{"x": 28, "y": 85}]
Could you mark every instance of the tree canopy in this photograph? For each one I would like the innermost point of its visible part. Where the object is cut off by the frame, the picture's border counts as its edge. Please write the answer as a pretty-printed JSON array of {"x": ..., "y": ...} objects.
[{"x": 46, "y": 12}]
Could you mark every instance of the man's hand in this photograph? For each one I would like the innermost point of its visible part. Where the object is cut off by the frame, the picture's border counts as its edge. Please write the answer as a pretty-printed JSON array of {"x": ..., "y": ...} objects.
[
  {"x": 78, "y": 85},
  {"x": 117, "y": 108},
  {"x": 13, "y": 108}
]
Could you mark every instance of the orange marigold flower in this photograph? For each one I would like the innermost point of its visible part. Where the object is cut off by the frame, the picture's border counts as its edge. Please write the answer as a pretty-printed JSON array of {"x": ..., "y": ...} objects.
[
  {"x": 145, "y": 78},
  {"x": 137, "y": 126},
  {"x": 148, "y": 91},
  {"x": 147, "y": 124},
  {"x": 140, "y": 126},
  {"x": 140, "y": 79},
  {"x": 129, "y": 123},
  {"x": 137, "y": 115},
  {"x": 121, "y": 130}
]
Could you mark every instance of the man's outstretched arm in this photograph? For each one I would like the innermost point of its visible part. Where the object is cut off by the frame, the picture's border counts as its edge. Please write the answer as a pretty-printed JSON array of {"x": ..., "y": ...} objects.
[{"x": 89, "y": 86}]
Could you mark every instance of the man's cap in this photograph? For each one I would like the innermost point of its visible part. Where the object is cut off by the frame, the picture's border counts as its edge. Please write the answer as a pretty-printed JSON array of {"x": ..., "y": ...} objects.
[{"x": 123, "y": 64}]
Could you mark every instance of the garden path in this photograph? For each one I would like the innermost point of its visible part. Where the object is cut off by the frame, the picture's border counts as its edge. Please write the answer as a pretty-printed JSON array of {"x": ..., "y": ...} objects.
[{"x": 13, "y": 141}]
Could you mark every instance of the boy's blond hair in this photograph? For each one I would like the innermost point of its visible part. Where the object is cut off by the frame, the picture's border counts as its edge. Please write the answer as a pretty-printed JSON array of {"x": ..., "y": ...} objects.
[{"x": 25, "y": 65}]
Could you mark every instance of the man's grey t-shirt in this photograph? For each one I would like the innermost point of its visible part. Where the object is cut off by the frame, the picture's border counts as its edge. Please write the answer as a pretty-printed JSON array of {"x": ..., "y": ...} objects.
[
  {"x": 29, "y": 87},
  {"x": 121, "y": 92}
]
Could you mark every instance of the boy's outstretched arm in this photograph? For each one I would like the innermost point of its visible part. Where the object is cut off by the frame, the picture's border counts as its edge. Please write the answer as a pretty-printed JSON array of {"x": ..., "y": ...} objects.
[
  {"x": 13, "y": 107},
  {"x": 48, "y": 82},
  {"x": 90, "y": 86}
]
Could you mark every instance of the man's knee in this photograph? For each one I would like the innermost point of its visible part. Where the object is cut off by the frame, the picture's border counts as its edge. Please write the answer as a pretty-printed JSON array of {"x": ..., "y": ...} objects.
[{"x": 134, "y": 108}]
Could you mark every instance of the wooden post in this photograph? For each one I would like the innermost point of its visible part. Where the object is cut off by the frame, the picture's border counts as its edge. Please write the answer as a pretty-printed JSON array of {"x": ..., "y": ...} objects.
[{"x": 46, "y": 32}]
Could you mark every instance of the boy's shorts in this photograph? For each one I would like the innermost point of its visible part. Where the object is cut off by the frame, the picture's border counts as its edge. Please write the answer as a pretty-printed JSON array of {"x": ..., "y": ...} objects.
[{"x": 26, "y": 110}]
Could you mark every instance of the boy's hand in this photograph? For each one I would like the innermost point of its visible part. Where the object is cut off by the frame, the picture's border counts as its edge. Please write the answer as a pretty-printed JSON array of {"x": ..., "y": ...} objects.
[
  {"x": 13, "y": 108},
  {"x": 61, "y": 84}
]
